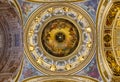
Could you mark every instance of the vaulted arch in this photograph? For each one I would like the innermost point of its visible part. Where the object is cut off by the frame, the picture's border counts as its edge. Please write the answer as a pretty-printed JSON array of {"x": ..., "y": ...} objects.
[
  {"x": 11, "y": 47},
  {"x": 108, "y": 24}
]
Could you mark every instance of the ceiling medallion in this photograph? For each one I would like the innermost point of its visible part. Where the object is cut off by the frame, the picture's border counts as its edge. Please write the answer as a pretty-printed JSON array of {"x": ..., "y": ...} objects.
[
  {"x": 54, "y": 1},
  {"x": 59, "y": 38}
]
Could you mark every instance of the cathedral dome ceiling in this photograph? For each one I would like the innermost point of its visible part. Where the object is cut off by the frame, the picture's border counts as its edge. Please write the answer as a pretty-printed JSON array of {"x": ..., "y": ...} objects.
[
  {"x": 59, "y": 38},
  {"x": 11, "y": 48},
  {"x": 109, "y": 48}
]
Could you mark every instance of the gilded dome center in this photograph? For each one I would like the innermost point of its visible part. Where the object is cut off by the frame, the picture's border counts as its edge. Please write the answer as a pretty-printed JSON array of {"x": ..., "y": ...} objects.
[{"x": 60, "y": 37}]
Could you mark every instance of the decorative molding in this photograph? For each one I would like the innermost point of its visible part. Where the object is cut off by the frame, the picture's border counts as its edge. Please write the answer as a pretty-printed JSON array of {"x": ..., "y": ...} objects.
[
  {"x": 108, "y": 47},
  {"x": 54, "y": 1},
  {"x": 63, "y": 78}
]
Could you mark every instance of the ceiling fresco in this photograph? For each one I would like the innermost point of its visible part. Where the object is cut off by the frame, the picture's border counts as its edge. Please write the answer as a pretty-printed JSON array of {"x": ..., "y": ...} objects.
[
  {"x": 11, "y": 48},
  {"x": 59, "y": 40},
  {"x": 29, "y": 8},
  {"x": 47, "y": 51},
  {"x": 109, "y": 45}
]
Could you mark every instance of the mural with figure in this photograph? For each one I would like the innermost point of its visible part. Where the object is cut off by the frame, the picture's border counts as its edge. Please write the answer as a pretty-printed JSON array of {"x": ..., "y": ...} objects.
[{"x": 27, "y": 8}]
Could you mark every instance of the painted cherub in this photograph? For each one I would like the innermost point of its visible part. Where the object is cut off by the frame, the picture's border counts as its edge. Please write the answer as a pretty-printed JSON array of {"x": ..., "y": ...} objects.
[{"x": 26, "y": 8}]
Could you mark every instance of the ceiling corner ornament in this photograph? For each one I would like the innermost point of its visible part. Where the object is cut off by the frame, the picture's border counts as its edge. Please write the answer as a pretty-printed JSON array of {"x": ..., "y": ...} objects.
[
  {"x": 59, "y": 38},
  {"x": 53, "y": 1},
  {"x": 109, "y": 58}
]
